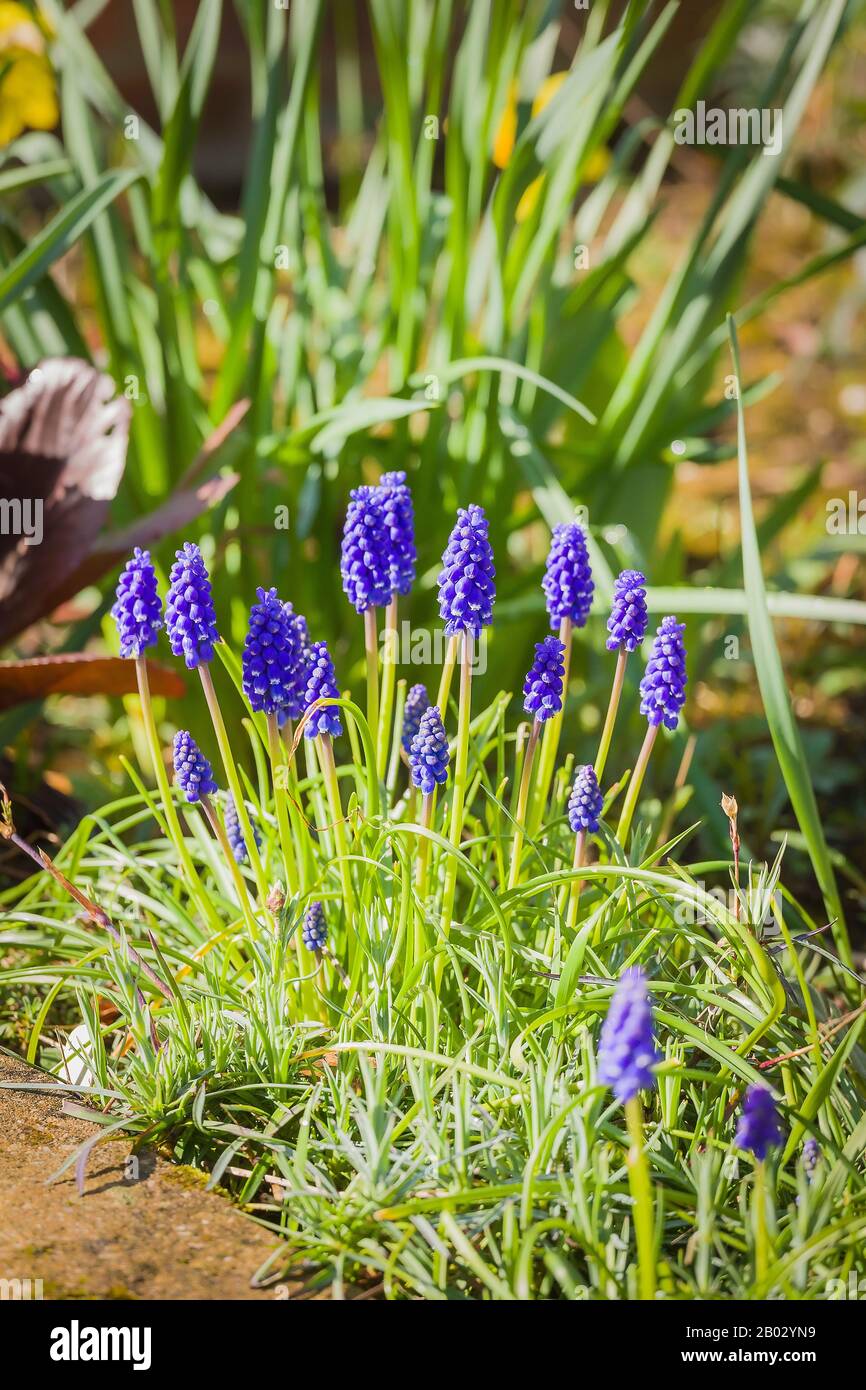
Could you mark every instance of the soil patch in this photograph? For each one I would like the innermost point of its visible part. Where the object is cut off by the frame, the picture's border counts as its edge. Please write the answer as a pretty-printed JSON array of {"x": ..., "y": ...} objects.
[{"x": 140, "y": 1230}]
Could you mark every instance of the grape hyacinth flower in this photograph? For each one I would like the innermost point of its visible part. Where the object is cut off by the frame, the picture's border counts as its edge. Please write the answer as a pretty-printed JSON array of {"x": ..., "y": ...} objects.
[
  {"x": 296, "y": 679},
  {"x": 663, "y": 694},
  {"x": 759, "y": 1129},
  {"x": 811, "y": 1156},
  {"x": 467, "y": 591},
  {"x": 626, "y": 1051},
  {"x": 399, "y": 516},
  {"x": 322, "y": 684},
  {"x": 584, "y": 811},
  {"x": 366, "y": 573},
  {"x": 663, "y": 688},
  {"x": 428, "y": 768},
  {"x": 585, "y": 802},
  {"x": 314, "y": 928},
  {"x": 628, "y": 614},
  {"x": 416, "y": 703},
  {"x": 542, "y": 698},
  {"x": 428, "y": 755},
  {"x": 626, "y": 1056},
  {"x": 235, "y": 835},
  {"x": 568, "y": 589},
  {"x": 137, "y": 610},
  {"x": 627, "y": 626},
  {"x": 190, "y": 617},
  {"x": 568, "y": 585},
  {"x": 542, "y": 688},
  {"x": 271, "y": 655},
  {"x": 398, "y": 512},
  {"x": 192, "y": 771},
  {"x": 364, "y": 558}
]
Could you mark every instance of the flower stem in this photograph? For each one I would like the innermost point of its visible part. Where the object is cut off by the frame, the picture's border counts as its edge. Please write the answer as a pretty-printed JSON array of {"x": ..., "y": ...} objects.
[
  {"x": 576, "y": 883},
  {"x": 389, "y": 674},
  {"x": 197, "y": 892},
  {"x": 424, "y": 844},
  {"x": 610, "y": 718},
  {"x": 458, "y": 793},
  {"x": 642, "y": 1195},
  {"x": 522, "y": 801},
  {"x": 394, "y": 764},
  {"x": 332, "y": 787},
  {"x": 552, "y": 731},
  {"x": 759, "y": 1208},
  {"x": 447, "y": 672},
  {"x": 635, "y": 784},
  {"x": 218, "y": 829},
  {"x": 371, "y": 648},
  {"x": 279, "y": 773},
  {"x": 234, "y": 782}
]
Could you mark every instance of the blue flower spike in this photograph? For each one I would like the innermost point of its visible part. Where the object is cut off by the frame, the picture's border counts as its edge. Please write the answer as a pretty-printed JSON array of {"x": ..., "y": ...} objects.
[
  {"x": 322, "y": 685},
  {"x": 190, "y": 617},
  {"x": 428, "y": 755},
  {"x": 137, "y": 610},
  {"x": 192, "y": 771},
  {"x": 626, "y": 1051}
]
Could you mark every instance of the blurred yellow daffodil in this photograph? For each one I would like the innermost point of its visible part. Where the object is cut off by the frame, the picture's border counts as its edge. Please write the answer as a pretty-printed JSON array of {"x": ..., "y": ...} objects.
[
  {"x": 28, "y": 96},
  {"x": 506, "y": 136}
]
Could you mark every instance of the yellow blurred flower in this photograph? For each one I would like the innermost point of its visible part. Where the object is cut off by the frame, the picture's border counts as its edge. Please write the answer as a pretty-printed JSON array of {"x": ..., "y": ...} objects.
[
  {"x": 28, "y": 96},
  {"x": 506, "y": 131},
  {"x": 547, "y": 91}
]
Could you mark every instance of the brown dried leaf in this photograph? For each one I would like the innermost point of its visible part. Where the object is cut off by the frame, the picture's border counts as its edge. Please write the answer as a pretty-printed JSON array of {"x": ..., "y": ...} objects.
[{"x": 80, "y": 673}]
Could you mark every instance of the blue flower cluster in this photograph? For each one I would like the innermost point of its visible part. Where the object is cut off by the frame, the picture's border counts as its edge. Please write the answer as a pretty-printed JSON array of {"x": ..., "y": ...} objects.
[
  {"x": 628, "y": 615},
  {"x": 467, "y": 588},
  {"x": 190, "y": 617},
  {"x": 234, "y": 833},
  {"x": 272, "y": 658},
  {"x": 428, "y": 755},
  {"x": 364, "y": 559},
  {"x": 192, "y": 771},
  {"x": 585, "y": 802},
  {"x": 416, "y": 703},
  {"x": 759, "y": 1128},
  {"x": 542, "y": 689},
  {"x": 322, "y": 685},
  {"x": 400, "y": 525},
  {"x": 663, "y": 688},
  {"x": 626, "y": 1051},
  {"x": 314, "y": 928},
  {"x": 138, "y": 610},
  {"x": 568, "y": 585}
]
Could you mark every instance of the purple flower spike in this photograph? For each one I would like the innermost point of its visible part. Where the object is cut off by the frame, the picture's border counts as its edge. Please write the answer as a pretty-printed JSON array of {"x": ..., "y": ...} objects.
[
  {"x": 234, "y": 833},
  {"x": 428, "y": 756},
  {"x": 628, "y": 616},
  {"x": 663, "y": 688},
  {"x": 416, "y": 703},
  {"x": 314, "y": 928},
  {"x": 467, "y": 590},
  {"x": 567, "y": 581},
  {"x": 192, "y": 771},
  {"x": 296, "y": 680},
  {"x": 811, "y": 1156},
  {"x": 271, "y": 655},
  {"x": 190, "y": 618},
  {"x": 322, "y": 685},
  {"x": 626, "y": 1052},
  {"x": 138, "y": 610},
  {"x": 585, "y": 802},
  {"x": 364, "y": 560},
  {"x": 759, "y": 1128},
  {"x": 400, "y": 525},
  {"x": 542, "y": 688}
]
